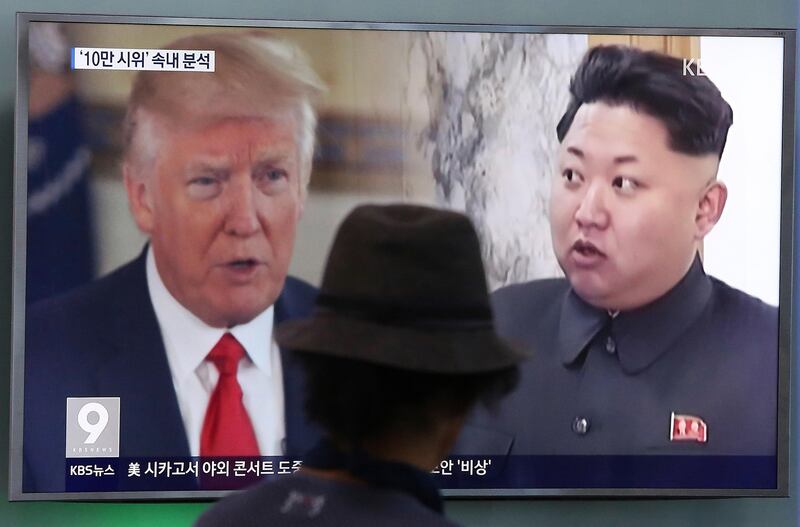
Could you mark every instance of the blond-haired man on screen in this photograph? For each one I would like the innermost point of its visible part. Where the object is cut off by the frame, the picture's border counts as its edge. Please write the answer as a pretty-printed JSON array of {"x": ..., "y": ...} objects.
[{"x": 216, "y": 168}]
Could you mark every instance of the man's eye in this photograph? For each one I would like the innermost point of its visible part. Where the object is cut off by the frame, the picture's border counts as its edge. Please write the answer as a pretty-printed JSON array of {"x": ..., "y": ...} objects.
[
  {"x": 625, "y": 184},
  {"x": 271, "y": 180},
  {"x": 275, "y": 174},
  {"x": 203, "y": 181},
  {"x": 570, "y": 176},
  {"x": 204, "y": 187}
]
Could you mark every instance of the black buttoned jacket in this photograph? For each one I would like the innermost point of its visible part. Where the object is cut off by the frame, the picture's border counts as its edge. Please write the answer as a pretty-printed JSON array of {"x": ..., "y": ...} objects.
[{"x": 598, "y": 384}]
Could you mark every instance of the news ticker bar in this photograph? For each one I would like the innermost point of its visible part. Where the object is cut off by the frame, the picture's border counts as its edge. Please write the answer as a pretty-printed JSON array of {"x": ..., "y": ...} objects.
[
  {"x": 457, "y": 472},
  {"x": 131, "y": 59}
]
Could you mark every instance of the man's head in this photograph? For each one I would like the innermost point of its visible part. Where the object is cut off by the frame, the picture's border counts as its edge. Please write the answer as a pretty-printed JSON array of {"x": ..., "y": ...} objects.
[
  {"x": 216, "y": 169},
  {"x": 402, "y": 341},
  {"x": 635, "y": 189}
]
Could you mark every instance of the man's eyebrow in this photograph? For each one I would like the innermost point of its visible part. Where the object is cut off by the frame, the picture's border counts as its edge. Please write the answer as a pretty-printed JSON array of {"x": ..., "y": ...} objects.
[
  {"x": 273, "y": 159},
  {"x": 577, "y": 152},
  {"x": 272, "y": 155},
  {"x": 208, "y": 163},
  {"x": 625, "y": 159}
]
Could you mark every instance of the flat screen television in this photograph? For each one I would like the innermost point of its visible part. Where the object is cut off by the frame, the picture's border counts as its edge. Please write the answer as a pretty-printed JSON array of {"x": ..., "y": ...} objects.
[{"x": 682, "y": 394}]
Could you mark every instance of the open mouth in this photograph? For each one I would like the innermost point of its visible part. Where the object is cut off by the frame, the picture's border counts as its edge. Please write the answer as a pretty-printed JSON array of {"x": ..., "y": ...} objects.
[
  {"x": 243, "y": 264},
  {"x": 587, "y": 249}
]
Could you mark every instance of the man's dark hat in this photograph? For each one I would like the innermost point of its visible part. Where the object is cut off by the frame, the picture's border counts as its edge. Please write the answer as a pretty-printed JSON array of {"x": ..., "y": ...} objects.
[{"x": 404, "y": 287}]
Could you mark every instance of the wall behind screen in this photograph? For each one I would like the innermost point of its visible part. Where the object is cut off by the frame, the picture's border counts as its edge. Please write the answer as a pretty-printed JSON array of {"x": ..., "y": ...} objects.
[{"x": 710, "y": 13}]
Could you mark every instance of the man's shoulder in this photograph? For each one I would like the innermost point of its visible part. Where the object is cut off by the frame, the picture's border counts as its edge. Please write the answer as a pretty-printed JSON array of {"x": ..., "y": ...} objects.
[
  {"x": 94, "y": 298},
  {"x": 536, "y": 293},
  {"x": 737, "y": 321},
  {"x": 250, "y": 507},
  {"x": 296, "y": 299},
  {"x": 528, "y": 311},
  {"x": 73, "y": 325},
  {"x": 296, "y": 287},
  {"x": 735, "y": 305},
  {"x": 296, "y": 499}
]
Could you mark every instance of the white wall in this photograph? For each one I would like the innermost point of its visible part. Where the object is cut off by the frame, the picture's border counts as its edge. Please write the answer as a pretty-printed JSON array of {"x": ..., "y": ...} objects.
[{"x": 743, "y": 249}]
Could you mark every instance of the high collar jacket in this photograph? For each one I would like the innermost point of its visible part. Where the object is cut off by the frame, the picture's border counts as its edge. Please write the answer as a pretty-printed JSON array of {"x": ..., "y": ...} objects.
[{"x": 598, "y": 384}]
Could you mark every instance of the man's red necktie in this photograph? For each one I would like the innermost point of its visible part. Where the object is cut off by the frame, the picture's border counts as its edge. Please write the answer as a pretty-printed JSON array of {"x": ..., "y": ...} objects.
[{"x": 227, "y": 430}]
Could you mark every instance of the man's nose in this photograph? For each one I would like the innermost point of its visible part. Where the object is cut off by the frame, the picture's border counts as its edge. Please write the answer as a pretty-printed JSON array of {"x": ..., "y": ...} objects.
[
  {"x": 242, "y": 211},
  {"x": 592, "y": 211}
]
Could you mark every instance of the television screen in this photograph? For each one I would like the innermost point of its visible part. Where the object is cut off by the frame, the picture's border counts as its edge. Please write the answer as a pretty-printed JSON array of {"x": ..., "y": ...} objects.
[{"x": 178, "y": 180}]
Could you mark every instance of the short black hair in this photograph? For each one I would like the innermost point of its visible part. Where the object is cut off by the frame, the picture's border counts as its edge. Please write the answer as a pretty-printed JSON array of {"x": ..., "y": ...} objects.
[
  {"x": 689, "y": 105},
  {"x": 356, "y": 401}
]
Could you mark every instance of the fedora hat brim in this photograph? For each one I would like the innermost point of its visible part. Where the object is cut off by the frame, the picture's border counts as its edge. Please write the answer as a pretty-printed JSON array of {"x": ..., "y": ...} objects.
[{"x": 435, "y": 350}]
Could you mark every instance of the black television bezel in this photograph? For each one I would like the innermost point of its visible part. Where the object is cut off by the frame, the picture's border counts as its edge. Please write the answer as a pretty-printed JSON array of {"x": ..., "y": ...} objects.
[{"x": 787, "y": 241}]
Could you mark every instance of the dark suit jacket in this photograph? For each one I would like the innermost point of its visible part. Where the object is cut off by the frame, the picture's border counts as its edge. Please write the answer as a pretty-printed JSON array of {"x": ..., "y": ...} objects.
[
  {"x": 103, "y": 340},
  {"x": 703, "y": 349}
]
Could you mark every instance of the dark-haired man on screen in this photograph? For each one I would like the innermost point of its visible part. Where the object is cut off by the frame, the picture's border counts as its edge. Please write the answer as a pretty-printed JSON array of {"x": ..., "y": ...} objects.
[
  {"x": 216, "y": 169},
  {"x": 638, "y": 351}
]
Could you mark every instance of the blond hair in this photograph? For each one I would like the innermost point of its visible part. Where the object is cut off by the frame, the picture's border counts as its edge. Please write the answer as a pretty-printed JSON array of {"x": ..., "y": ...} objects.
[{"x": 256, "y": 75}]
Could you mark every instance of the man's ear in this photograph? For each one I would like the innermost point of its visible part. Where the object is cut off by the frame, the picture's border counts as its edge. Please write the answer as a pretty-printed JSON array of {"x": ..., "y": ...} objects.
[
  {"x": 139, "y": 198},
  {"x": 710, "y": 207}
]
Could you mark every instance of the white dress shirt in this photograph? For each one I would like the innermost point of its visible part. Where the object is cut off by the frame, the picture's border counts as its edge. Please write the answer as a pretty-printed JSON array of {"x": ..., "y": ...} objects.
[{"x": 188, "y": 340}]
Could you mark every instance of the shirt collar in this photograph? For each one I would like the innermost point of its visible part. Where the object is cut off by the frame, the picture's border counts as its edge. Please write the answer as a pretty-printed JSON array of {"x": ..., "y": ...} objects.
[
  {"x": 187, "y": 339},
  {"x": 641, "y": 335}
]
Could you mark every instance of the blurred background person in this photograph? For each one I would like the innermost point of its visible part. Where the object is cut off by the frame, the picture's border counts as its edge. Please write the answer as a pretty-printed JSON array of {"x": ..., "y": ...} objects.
[
  {"x": 60, "y": 248},
  {"x": 396, "y": 355}
]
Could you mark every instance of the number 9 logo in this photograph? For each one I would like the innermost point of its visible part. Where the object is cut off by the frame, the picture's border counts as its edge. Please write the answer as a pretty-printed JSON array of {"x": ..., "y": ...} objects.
[{"x": 94, "y": 429}]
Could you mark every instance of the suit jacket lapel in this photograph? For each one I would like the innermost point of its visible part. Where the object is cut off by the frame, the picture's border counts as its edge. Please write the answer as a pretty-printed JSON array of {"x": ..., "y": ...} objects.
[
  {"x": 301, "y": 435},
  {"x": 138, "y": 372}
]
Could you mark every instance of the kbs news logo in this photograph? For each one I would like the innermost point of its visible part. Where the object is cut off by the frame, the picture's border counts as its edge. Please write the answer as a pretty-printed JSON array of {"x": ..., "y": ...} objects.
[{"x": 92, "y": 427}]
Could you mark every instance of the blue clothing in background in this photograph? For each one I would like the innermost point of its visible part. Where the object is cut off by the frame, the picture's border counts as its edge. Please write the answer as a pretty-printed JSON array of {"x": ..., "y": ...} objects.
[{"x": 60, "y": 250}]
